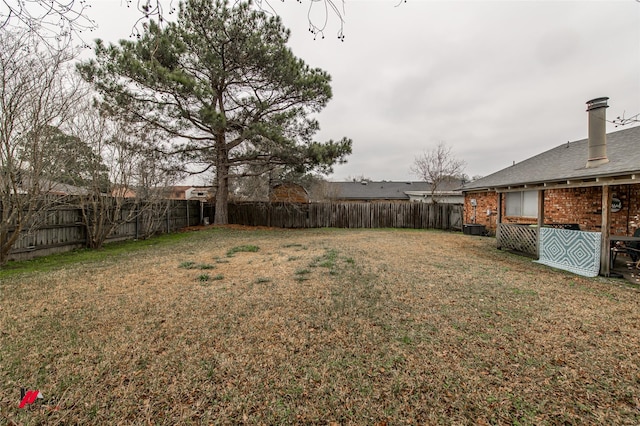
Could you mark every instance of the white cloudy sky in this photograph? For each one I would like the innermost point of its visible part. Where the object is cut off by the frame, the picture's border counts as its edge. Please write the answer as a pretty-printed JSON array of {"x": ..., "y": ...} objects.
[{"x": 497, "y": 81}]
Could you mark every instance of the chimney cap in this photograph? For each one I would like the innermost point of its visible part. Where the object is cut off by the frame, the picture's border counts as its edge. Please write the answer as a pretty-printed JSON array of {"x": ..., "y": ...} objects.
[{"x": 597, "y": 103}]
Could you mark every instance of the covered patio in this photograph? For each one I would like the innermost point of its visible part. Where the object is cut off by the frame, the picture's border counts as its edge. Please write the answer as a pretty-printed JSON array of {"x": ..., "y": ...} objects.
[
  {"x": 618, "y": 221},
  {"x": 567, "y": 206}
]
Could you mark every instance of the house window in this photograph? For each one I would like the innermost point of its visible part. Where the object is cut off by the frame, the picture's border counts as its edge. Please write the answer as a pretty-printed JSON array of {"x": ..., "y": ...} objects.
[{"x": 522, "y": 203}]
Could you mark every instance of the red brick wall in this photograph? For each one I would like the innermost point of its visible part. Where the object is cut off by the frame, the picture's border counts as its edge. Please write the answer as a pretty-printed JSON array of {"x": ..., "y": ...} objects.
[
  {"x": 576, "y": 205},
  {"x": 485, "y": 201},
  {"x": 583, "y": 206},
  {"x": 288, "y": 193},
  {"x": 625, "y": 221}
]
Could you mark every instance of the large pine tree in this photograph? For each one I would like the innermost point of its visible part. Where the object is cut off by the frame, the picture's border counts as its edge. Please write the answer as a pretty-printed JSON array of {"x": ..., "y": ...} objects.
[{"x": 223, "y": 84}]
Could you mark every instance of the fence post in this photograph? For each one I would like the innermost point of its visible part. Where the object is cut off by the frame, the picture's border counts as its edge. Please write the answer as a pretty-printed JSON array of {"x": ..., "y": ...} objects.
[
  {"x": 269, "y": 214},
  {"x": 168, "y": 214},
  {"x": 137, "y": 221}
]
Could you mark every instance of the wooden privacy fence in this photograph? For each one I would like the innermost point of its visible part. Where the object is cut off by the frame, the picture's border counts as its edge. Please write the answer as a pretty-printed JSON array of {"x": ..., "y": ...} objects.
[
  {"x": 347, "y": 215},
  {"x": 62, "y": 228}
]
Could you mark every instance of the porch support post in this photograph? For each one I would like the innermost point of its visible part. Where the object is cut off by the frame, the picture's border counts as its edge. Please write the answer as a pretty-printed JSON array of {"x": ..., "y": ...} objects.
[
  {"x": 605, "y": 253},
  {"x": 499, "y": 221},
  {"x": 540, "y": 219}
]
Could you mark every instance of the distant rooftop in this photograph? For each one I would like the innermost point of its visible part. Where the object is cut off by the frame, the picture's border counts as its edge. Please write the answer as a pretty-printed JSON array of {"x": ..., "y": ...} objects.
[{"x": 385, "y": 190}]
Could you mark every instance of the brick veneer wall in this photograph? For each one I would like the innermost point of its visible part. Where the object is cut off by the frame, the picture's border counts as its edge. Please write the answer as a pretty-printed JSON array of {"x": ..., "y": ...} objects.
[
  {"x": 575, "y": 205},
  {"x": 485, "y": 201},
  {"x": 288, "y": 193}
]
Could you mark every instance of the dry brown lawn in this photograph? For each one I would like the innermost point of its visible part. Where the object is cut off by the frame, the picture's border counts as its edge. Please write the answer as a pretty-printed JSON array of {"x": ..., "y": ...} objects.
[{"x": 329, "y": 326}]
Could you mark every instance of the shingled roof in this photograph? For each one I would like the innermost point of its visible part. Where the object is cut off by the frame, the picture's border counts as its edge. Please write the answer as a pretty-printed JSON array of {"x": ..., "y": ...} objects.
[
  {"x": 385, "y": 190},
  {"x": 567, "y": 163},
  {"x": 366, "y": 190}
]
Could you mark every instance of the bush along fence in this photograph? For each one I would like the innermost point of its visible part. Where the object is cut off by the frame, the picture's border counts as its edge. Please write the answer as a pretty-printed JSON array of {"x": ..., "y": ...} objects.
[
  {"x": 62, "y": 228},
  {"x": 346, "y": 215}
]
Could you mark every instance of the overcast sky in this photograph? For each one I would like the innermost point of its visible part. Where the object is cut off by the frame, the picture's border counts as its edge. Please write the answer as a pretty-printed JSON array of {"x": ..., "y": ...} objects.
[{"x": 497, "y": 81}]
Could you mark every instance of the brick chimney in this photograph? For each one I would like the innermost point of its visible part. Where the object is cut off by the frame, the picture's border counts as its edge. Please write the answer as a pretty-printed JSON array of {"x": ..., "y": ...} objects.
[{"x": 597, "y": 132}]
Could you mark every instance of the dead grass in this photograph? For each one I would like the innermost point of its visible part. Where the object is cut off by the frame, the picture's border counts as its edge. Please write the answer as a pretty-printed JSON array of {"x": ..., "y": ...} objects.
[{"x": 319, "y": 327}]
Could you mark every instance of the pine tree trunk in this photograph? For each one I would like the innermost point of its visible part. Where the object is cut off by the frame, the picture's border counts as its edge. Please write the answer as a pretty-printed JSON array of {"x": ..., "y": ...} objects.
[
  {"x": 222, "y": 196},
  {"x": 222, "y": 180}
]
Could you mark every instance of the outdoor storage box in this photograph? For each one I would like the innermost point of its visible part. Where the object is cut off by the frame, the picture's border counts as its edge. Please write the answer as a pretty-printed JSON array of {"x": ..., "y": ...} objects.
[{"x": 473, "y": 229}]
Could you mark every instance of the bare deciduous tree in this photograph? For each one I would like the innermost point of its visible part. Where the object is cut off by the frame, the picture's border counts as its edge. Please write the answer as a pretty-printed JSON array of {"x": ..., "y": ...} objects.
[
  {"x": 623, "y": 121},
  {"x": 58, "y": 20},
  {"x": 436, "y": 167},
  {"x": 153, "y": 175},
  {"x": 320, "y": 13},
  {"x": 37, "y": 90},
  {"x": 53, "y": 21},
  {"x": 323, "y": 191},
  {"x": 136, "y": 178},
  {"x": 249, "y": 188},
  {"x": 101, "y": 213},
  {"x": 359, "y": 178}
]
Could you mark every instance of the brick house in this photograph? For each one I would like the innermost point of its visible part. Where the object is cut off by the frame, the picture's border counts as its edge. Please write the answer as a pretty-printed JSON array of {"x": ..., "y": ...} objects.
[
  {"x": 288, "y": 192},
  {"x": 593, "y": 184},
  {"x": 188, "y": 192}
]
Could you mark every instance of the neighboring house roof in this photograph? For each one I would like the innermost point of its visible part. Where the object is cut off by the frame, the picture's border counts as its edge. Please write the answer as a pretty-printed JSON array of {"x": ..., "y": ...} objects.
[
  {"x": 388, "y": 190},
  {"x": 66, "y": 189},
  {"x": 438, "y": 193},
  {"x": 56, "y": 188},
  {"x": 566, "y": 164},
  {"x": 375, "y": 190}
]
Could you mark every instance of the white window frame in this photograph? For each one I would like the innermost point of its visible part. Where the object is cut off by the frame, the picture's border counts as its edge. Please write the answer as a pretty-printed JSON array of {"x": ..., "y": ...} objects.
[{"x": 521, "y": 204}]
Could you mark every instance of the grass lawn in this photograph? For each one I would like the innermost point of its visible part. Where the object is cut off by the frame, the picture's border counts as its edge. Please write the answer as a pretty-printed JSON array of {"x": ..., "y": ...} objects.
[{"x": 335, "y": 327}]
